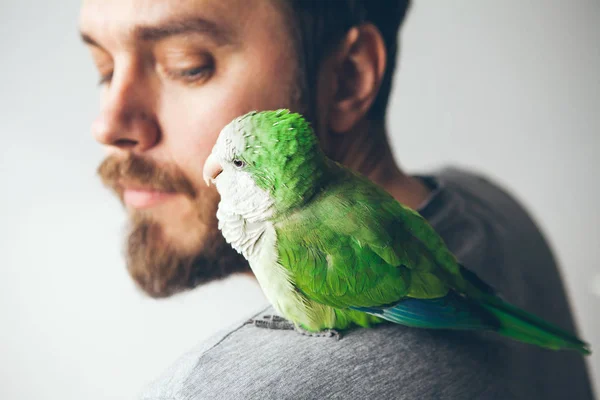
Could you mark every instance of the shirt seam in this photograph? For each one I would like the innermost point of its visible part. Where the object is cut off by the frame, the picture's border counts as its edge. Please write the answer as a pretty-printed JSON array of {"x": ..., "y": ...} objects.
[{"x": 231, "y": 333}]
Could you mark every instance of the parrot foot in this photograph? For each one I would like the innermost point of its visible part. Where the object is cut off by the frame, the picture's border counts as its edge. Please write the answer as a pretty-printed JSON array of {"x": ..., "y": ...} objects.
[
  {"x": 280, "y": 323},
  {"x": 325, "y": 333},
  {"x": 272, "y": 322}
]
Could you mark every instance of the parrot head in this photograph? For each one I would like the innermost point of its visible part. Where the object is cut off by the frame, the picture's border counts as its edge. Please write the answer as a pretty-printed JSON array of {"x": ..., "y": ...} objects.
[{"x": 269, "y": 161}]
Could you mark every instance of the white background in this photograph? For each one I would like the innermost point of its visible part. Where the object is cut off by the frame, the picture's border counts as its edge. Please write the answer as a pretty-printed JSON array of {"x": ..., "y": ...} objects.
[{"x": 510, "y": 88}]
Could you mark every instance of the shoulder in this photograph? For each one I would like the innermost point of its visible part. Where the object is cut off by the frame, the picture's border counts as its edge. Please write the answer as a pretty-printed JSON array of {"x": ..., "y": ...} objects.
[
  {"x": 180, "y": 378},
  {"x": 389, "y": 361},
  {"x": 481, "y": 194},
  {"x": 479, "y": 212},
  {"x": 490, "y": 231}
]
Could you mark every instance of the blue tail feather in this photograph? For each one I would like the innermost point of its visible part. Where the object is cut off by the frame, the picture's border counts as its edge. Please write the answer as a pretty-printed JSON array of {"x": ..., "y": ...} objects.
[{"x": 449, "y": 312}]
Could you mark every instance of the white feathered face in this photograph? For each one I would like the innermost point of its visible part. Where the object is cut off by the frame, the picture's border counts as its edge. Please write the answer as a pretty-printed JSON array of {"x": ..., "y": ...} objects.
[{"x": 226, "y": 168}]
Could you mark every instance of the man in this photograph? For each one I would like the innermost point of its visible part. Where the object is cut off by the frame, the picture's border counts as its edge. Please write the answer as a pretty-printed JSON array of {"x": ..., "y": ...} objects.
[{"x": 174, "y": 72}]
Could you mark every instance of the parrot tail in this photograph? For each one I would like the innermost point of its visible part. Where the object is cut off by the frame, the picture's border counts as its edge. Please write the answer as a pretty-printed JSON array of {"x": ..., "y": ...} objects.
[
  {"x": 522, "y": 326},
  {"x": 487, "y": 312}
]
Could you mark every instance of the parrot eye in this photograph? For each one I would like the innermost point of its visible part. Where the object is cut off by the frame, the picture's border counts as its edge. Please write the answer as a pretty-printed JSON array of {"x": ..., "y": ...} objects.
[{"x": 239, "y": 163}]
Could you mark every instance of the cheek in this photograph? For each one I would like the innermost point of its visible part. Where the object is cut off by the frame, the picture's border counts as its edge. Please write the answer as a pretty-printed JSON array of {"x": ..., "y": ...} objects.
[
  {"x": 265, "y": 82},
  {"x": 190, "y": 123}
]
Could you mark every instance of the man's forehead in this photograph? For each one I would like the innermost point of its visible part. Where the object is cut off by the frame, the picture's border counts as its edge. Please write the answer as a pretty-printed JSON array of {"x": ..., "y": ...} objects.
[{"x": 122, "y": 18}]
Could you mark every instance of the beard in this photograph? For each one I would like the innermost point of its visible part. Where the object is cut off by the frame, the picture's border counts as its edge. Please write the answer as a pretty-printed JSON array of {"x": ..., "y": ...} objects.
[{"x": 158, "y": 265}]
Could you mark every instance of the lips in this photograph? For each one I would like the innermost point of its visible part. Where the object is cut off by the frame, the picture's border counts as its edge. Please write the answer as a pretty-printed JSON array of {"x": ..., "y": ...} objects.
[
  {"x": 137, "y": 198},
  {"x": 141, "y": 197}
]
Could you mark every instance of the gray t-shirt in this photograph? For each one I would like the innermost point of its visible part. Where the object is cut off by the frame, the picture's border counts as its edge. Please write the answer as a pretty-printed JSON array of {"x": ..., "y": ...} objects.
[{"x": 490, "y": 234}]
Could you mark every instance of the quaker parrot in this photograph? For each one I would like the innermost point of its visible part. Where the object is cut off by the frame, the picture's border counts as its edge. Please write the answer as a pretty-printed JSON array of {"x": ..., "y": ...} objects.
[{"x": 330, "y": 249}]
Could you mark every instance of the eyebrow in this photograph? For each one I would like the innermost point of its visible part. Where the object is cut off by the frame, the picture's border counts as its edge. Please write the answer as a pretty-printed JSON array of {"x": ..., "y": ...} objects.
[
  {"x": 174, "y": 28},
  {"x": 181, "y": 27}
]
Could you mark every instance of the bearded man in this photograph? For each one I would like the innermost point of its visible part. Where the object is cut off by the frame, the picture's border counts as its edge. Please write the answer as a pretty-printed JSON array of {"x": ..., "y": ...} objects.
[{"x": 175, "y": 72}]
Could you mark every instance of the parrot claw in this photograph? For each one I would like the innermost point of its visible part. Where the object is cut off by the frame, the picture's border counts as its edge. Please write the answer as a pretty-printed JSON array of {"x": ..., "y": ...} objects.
[
  {"x": 280, "y": 323},
  {"x": 274, "y": 318},
  {"x": 325, "y": 333},
  {"x": 272, "y": 322}
]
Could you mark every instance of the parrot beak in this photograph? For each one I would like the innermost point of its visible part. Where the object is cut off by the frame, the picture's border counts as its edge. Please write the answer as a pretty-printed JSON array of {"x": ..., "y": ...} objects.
[{"x": 212, "y": 169}]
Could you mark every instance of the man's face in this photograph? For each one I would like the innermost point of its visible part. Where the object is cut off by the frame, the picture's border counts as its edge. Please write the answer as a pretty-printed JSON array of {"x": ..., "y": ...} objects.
[{"x": 174, "y": 73}]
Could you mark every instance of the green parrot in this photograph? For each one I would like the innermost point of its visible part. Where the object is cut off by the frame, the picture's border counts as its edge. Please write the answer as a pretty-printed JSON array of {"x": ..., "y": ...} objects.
[{"x": 330, "y": 249}]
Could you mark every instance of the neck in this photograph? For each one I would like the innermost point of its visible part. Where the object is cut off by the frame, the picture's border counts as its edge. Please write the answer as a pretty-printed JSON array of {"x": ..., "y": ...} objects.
[{"x": 366, "y": 150}]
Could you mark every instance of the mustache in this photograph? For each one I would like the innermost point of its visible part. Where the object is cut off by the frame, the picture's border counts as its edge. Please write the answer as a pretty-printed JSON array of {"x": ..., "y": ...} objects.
[{"x": 115, "y": 171}]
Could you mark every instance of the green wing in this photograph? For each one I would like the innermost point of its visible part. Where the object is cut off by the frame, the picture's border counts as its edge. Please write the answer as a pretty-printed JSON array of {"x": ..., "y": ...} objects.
[{"x": 354, "y": 245}]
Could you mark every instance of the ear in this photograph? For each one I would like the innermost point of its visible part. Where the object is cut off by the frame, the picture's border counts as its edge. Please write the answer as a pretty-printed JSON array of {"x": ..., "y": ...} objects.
[{"x": 359, "y": 69}]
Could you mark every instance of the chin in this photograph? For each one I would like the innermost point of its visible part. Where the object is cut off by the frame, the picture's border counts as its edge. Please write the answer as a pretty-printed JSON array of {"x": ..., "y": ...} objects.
[
  {"x": 181, "y": 232},
  {"x": 164, "y": 259}
]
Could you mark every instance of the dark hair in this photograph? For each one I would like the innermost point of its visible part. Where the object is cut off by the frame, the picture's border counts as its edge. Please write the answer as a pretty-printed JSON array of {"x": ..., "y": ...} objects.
[{"x": 319, "y": 26}]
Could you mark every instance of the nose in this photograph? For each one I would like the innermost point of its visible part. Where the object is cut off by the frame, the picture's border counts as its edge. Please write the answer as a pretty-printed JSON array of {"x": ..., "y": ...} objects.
[
  {"x": 127, "y": 120},
  {"x": 212, "y": 169}
]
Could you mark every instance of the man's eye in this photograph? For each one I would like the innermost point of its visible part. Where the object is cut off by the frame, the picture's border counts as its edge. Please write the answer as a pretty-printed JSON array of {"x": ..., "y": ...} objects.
[{"x": 193, "y": 74}]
